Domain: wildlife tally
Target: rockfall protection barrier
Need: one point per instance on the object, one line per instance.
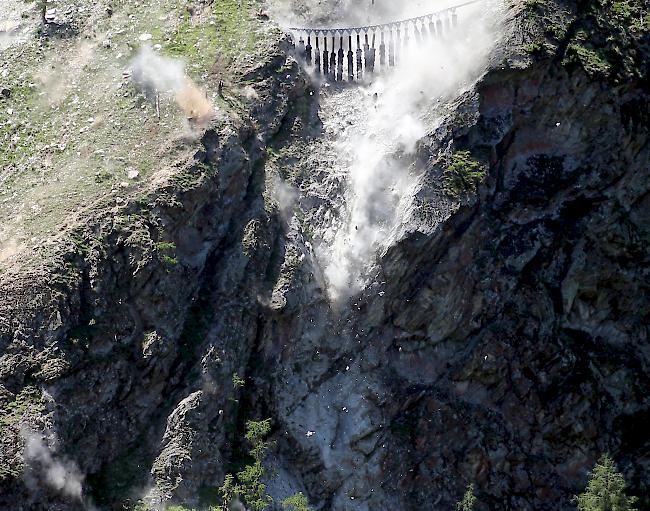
(357, 46)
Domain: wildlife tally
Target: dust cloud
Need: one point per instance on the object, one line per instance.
(380, 181)
(156, 74)
(284, 195)
(14, 27)
(61, 475)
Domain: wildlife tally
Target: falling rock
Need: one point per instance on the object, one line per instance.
(50, 15)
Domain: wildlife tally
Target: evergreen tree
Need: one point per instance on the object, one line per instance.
(469, 500)
(605, 490)
(297, 502)
(247, 485)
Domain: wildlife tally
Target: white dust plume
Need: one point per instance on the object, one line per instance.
(60, 474)
(157, 74)
(381, 181)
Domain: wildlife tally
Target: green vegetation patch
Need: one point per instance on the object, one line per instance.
(635, 13)
(248, 483)
(468, 501)
(237, 381)
(75, 134)
(195, 43)
(539, 49)
(227, 32)
(605, 490)
(297, 502)
(235, 31)
(606, 38)
(610, 38)
(18, 135)
(533, 7)
(167, 259)
(165, 245)
(463, 174)
(592, 60)
(28, 402)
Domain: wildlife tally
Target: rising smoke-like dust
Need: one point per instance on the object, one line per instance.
(157, 74)
(60, 474)
(380, 182)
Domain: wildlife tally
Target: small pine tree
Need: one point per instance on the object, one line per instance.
(256, 432)
(229, 491)
(297, 502)
(469, 500)
(605, 490)
(253, 490)
(248, 484)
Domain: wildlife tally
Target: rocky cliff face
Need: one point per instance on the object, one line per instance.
(506, 345)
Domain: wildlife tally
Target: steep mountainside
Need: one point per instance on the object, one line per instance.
(500, 336)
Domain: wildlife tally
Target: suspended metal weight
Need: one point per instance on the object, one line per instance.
(350, 59)
(333, 60)
(359, 58)
(317, 57)
(372, 55)
(398, 44)
(366, 52)
(341, 55)
(308, 51)
(301, 47)
(326, 56)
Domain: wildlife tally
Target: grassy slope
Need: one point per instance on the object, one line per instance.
(73, 127)
(58, 167)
